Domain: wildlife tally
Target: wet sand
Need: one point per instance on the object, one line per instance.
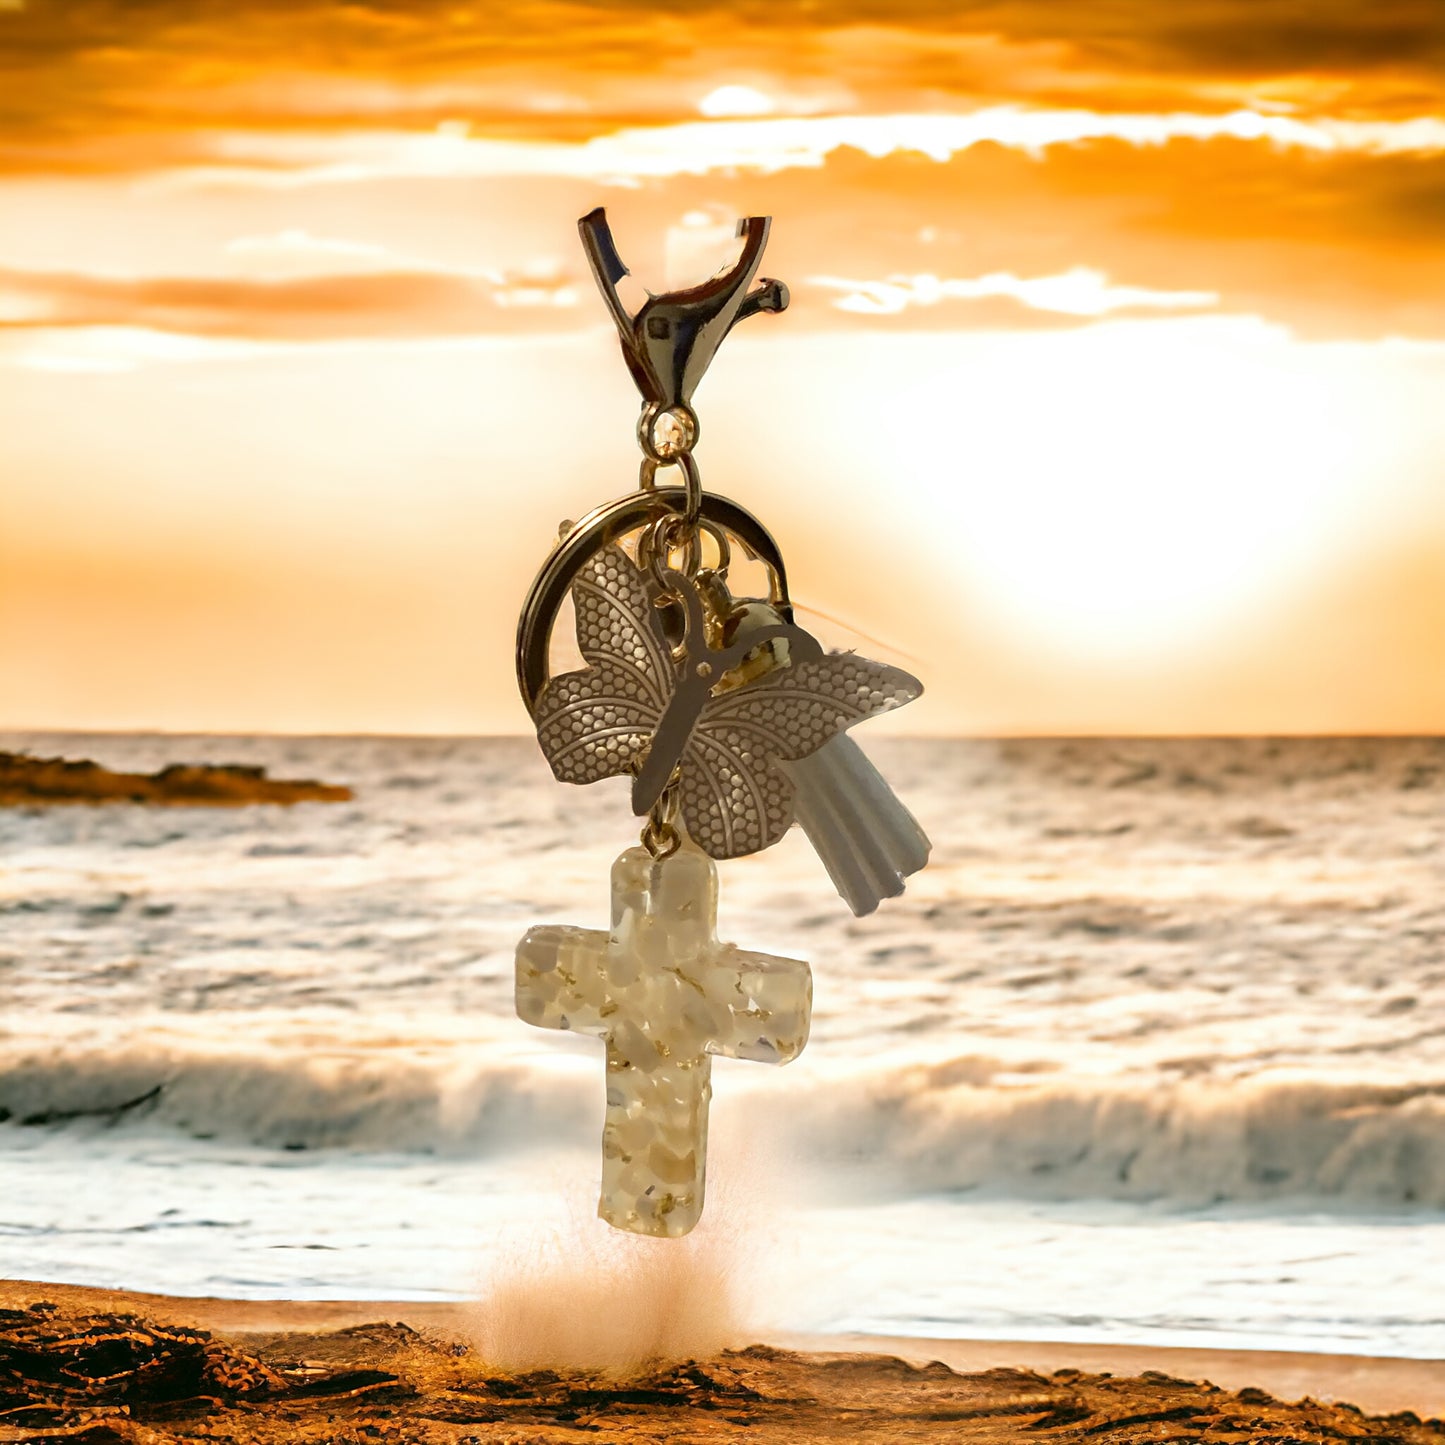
(369, 1370)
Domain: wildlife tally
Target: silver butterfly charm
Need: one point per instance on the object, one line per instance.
(644, 707)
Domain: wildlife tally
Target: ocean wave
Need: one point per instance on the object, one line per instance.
(965, 1124)
(1271, 1136)
(290, 1100)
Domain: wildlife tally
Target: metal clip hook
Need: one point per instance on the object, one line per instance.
(670, 341)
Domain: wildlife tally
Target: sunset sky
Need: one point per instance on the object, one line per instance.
(1111, 397)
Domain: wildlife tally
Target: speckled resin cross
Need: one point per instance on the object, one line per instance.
(665, 995)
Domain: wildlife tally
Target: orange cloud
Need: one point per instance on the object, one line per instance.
(381, 303)
(69, 72)
(1329, 245)
(1079, 293)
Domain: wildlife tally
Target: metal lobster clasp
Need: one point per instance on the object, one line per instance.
(670, 341)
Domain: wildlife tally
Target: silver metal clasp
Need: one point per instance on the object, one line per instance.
(669, 343)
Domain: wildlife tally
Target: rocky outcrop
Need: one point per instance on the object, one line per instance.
(27, 781)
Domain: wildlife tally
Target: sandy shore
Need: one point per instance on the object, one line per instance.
(367, 1370)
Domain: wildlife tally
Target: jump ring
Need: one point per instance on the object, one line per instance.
(663, 537)
(659, 834)
(662, 843)
(692, 481)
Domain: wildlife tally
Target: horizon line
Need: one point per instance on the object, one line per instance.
(1006, 736)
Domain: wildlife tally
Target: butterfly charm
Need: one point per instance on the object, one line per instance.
(662, 711)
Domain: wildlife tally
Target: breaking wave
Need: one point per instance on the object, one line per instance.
(953, 1126)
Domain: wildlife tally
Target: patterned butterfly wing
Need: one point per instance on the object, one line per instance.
(734, 801)
(597, 722)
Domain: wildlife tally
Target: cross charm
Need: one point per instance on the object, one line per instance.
(666, 996)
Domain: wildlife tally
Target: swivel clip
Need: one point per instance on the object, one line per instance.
(672, 338)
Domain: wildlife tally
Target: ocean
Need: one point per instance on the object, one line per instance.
(1154, 1050)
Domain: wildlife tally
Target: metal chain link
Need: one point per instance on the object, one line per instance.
(672, 532)
(660, 835)
(675, 531)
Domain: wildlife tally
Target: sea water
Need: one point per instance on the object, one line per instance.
(1153, 1051)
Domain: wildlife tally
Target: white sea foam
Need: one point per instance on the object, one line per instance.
(967, 1123)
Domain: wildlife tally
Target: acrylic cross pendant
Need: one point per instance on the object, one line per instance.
(665, 995)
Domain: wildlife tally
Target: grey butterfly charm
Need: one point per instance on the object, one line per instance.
(735, 795)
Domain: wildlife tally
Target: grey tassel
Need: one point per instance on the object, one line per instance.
(868, 841)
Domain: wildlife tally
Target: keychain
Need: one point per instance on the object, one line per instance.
(731, 721)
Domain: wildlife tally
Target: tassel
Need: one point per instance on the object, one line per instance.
(868, 841)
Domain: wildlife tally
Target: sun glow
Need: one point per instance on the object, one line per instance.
(1132, 490)
(732, 100)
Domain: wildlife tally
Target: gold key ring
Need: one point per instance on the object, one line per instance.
(610, 523)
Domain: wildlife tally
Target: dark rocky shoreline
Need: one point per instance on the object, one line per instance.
(27, 781)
